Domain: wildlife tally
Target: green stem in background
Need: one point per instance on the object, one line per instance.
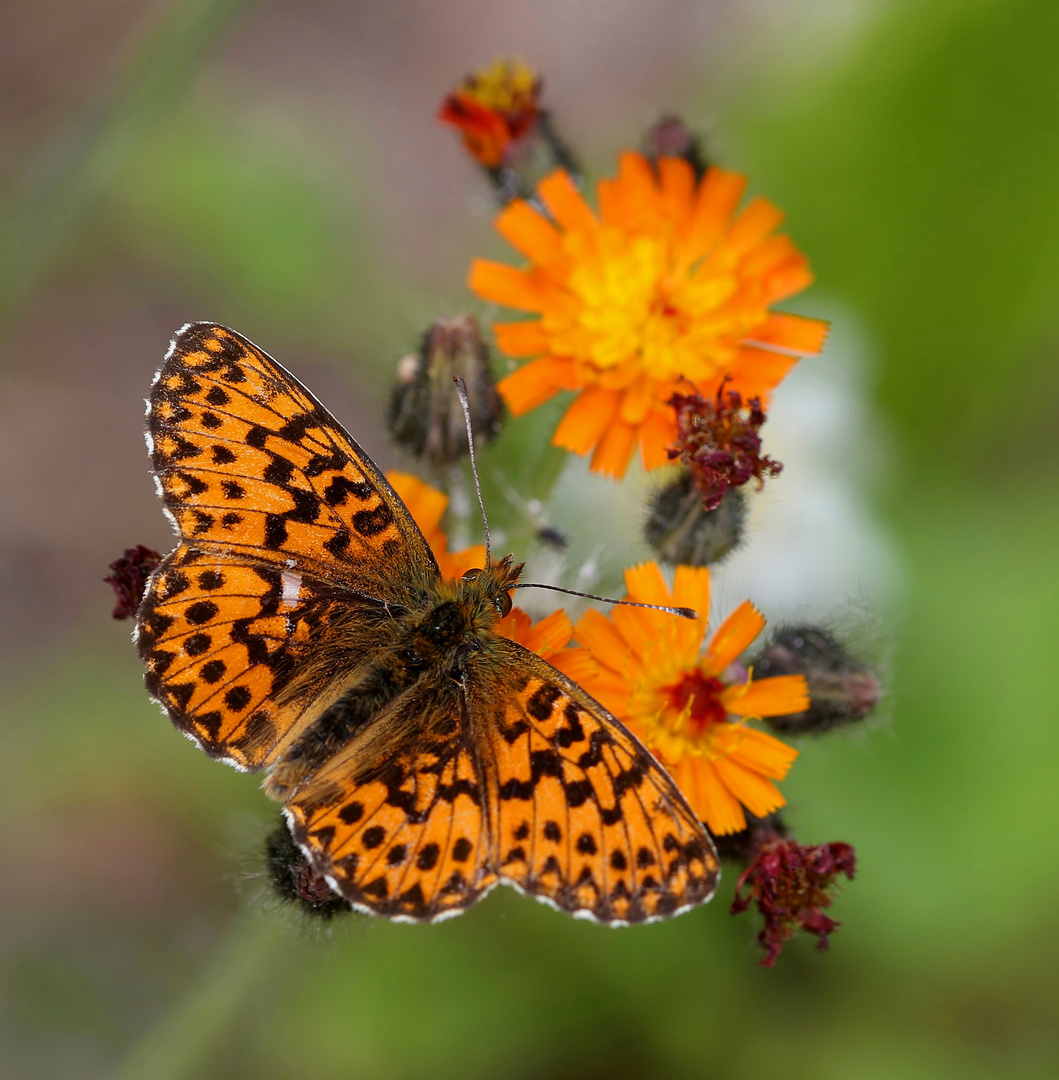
(72, 173)
(192, 1029)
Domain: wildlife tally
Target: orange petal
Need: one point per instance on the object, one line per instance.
(529, 231)
(646, 584)
(454, 564)
(506, 285)
(658, 433)
(709, 797)
(520, 339)
(535, 382)
(719, 195)
(758, 218)
(576, 664)
(677, 181)
(754, 750)
(787, 279)
(691, 588)
(737, 632)
(565, 203)
(425, 503)
(777, 695)
(757, 372)
(615, 449)
(602, 638)
(591, 414)
(638, 185)
(550, 634)
(757, 793)
(800, 335)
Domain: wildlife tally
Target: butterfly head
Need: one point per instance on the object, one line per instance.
(491, 586)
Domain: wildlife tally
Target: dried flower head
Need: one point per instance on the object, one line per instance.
(791, 884)
(128, 578)
(496, 110)
(425, 413)
(718, 440)
(682, 532)
(842, 690)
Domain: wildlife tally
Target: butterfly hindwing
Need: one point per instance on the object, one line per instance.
(222, 638)
(248, 460)
(585, 817)
(397, 821)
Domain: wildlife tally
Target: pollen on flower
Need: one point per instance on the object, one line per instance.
(718, 440)
(668, 282)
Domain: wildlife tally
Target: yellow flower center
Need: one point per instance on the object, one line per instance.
(634, 306)
(506, 86)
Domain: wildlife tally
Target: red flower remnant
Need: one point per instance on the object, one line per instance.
(495, 110)
(791, 884)
(719, 442)
(128, 578)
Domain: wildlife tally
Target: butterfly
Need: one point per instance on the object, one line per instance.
(301, 627)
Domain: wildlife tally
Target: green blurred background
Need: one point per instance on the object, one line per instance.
(276, 167)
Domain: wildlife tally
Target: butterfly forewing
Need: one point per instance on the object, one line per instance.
(585, 817)
(398, 825)
(248, 460)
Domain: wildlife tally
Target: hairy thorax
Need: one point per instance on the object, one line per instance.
(439, 640)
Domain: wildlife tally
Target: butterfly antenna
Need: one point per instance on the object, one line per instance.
(683, 612)
(461, 393)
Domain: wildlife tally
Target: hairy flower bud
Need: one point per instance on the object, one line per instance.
(425, 412)
(128, 578)
(294, 881)
(685, 534)
(669, 136)
(841, 689)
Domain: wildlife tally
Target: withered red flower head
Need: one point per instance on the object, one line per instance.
(128, 578)
(791, 884)
(719, 442)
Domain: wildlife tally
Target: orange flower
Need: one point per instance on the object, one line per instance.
(427, 505)
(668, 285)
(495, 109)
(548, 638)
(691, 706)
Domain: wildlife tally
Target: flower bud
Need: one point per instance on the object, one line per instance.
(294, 881)
(425, 412)
(841, 689)
(683, 533)
(128, 578)
(668, 136)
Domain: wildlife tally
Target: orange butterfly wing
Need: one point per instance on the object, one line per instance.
(284, 520)
(397, 820)
(585, 818)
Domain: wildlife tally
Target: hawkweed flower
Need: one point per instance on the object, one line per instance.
(842, 690)
(425, 414)
(790, 884)
(128, 578)
(666, 286)
(717, 439)
(692, 706)
(496, 111)
(682, 532)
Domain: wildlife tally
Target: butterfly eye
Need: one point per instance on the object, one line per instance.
(472, 574)
(503, 603)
